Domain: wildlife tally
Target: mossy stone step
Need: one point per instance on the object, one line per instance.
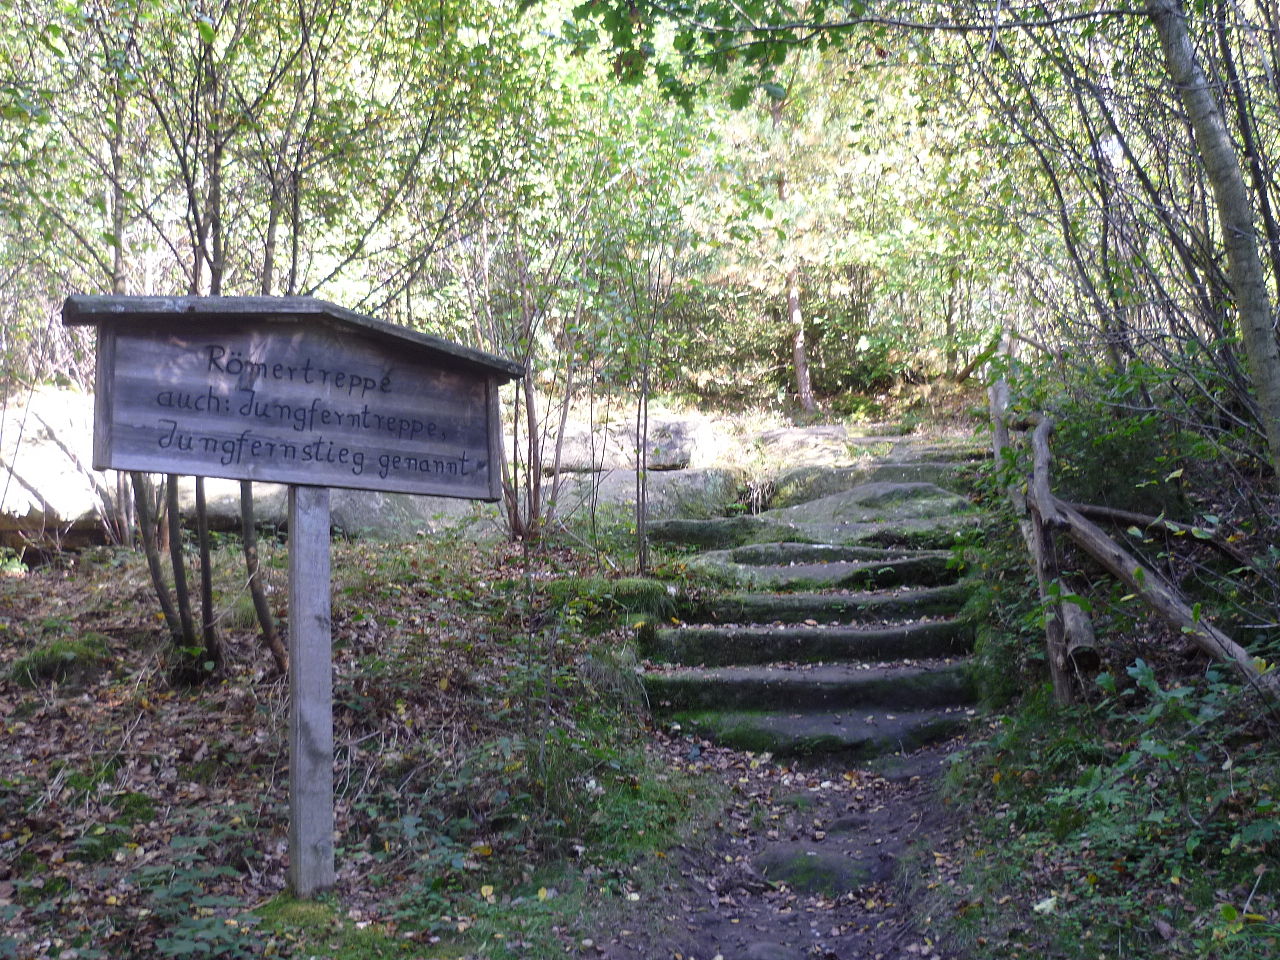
(767, 554)
(803, 689)
(728, 645)
(724, 532)
(849, 736)
(814, 482)
(919, 569)
(847, 607)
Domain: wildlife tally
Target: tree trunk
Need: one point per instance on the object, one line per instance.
(1235, 213)
(144, 501)
(208, 622)
(180, 590)
(249, 537)
(248, 523)
(799, 352)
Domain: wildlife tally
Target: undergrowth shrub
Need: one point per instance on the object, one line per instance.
(1147, 823)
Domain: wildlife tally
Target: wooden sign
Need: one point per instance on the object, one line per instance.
(290, 391)
(297, 391)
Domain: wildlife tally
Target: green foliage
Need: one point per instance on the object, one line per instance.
(584, 600)
(62, 660)
(11, 562)
(194, 921)
(1148, 819)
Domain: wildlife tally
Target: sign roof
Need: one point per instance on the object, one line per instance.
(119, 310)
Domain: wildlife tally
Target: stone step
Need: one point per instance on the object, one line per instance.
(845, 606)
(918, 569)
(724, 532)
(729, 645)
(773, 554)
(847, 736)
(809, 688)
(814, 482)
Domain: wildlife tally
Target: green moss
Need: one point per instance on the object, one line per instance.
(595, 597)
(134, 807)
(73, 661)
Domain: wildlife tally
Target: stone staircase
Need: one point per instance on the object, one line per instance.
(831, 628)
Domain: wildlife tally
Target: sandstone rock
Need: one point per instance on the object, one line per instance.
(829, 874)
(813, 482)
(676, 493)
(675, 442)
(49, 491)
(356, 513)
(875, 501)
(806, 446)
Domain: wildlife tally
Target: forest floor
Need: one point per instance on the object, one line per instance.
(139, 815)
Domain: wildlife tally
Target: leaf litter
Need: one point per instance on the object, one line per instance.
(134, 813)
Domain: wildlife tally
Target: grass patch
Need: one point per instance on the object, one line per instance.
(63, 661)
(322, 927)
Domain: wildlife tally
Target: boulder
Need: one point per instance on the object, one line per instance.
(671, 444)
(807, 446)
(821, 445)
(702, 493)
(49, 491)
(356, 513)
(588, 449)
(675, 442)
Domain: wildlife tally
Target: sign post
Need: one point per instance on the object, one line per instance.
(310, 694)
(298, 391)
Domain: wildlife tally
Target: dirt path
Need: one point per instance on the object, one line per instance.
(805, 864)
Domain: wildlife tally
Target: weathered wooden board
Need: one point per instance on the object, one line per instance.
(292, 403)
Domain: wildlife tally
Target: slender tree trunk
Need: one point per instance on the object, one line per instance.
(799, 352)
(144, 501)
(949, 317)
(119, 286)
(1235, 213)
(248, 523)
(208, 623)
(249, 537)
(180, 589)
(642, 473)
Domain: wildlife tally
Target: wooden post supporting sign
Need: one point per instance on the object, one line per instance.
(311, 866)
(298, 391)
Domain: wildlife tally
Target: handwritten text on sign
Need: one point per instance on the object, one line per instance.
(297, 404)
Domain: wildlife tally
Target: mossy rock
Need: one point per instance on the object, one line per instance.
(629, 596)
(63, 661)
(718, 533)
(819, 872)
(875, 501)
